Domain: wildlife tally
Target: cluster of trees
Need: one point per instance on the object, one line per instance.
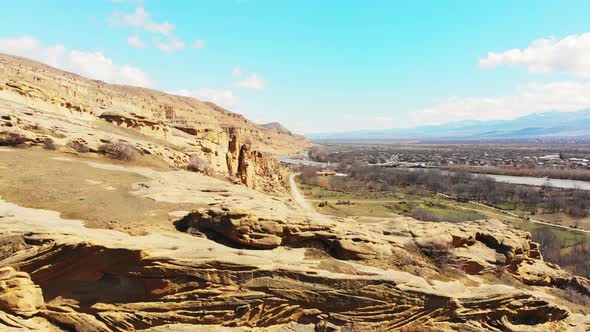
(575, 259)
(318, 154)
(554, 173)
(462, 186)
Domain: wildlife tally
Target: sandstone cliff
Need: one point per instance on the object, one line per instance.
(39, 101)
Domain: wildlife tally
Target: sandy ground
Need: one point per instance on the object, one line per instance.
(101, 194)
(122, 196)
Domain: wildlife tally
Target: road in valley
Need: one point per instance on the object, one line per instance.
(521, 218)
(533, 220)
(296, 194)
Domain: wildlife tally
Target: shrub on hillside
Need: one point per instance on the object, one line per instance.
(318, 154)
(119, 151)
(578, 212)
(439, 252)
(197, 164)
(575, 296)
(12, 139)
(48, 144)
(78, 146)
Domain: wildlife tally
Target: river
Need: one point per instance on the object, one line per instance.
(303, 159)
(524, 180)
(533, 181)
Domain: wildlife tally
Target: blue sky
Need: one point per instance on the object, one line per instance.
(321, 66)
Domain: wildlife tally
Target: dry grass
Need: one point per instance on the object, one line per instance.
(449, 216)
(102, 198)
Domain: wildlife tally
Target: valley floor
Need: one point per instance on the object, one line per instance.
(98, 245)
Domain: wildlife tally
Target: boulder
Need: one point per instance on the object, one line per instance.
(18, 294)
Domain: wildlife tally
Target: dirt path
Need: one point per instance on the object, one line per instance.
(296, 194)
(368, 200)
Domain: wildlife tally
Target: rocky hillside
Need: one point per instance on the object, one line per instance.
(40, 102)
(278, 127)
(245, 261)
(92, 240)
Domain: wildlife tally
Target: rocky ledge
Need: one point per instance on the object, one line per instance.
(242, 270)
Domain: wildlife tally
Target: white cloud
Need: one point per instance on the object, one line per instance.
(135, 42)
(568, 55)
(94, 65)
(138, 18)
(225, 98)
(169, 45)
(199, 43)
(237, 72)
(142, 18)
(164, 28)
(531, 98)
(252, 82)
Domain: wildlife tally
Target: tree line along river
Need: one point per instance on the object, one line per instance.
(524, 180)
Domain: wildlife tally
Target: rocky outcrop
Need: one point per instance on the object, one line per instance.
(233, 156)
(476, 248)
(251, 167)
(40, 102)
(18, 294)
(254, 231)
(153, 128)
(127, 289)
(246, 169)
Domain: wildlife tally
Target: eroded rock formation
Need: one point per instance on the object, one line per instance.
(113, 289)
(18, 294)
(41, 102)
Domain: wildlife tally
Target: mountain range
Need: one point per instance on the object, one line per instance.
(547, 124)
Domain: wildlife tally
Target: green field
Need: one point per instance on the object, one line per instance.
(567, 238)
(379, 204)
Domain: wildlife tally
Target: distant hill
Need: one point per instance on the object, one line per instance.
(549, 124)
(278, 127)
